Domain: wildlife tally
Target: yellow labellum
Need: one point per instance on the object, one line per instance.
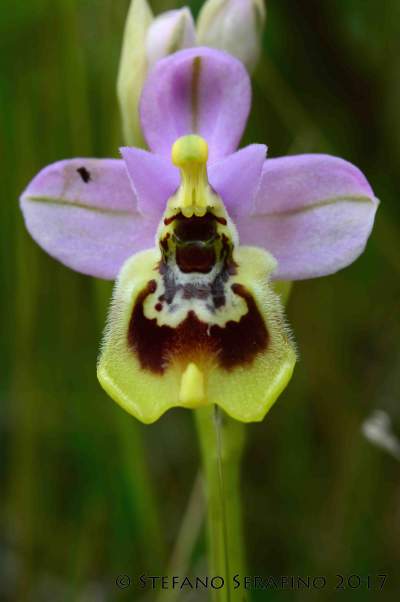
(245, 393)
(196, 321)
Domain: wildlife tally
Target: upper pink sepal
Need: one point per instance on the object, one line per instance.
(201, 91)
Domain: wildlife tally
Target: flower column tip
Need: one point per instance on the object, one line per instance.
(194, 196)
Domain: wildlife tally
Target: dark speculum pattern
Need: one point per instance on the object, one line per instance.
(195, 257)
(194, 238)
(235, 344)
(197, 246)
(195, 229)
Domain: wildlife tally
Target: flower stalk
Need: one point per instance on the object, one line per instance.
(222, 442)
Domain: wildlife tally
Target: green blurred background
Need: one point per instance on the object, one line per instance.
(76, 508)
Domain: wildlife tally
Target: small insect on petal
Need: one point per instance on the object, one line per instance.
(85, 174)
(195, 321)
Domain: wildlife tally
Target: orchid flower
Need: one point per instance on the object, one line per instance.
(194, 318)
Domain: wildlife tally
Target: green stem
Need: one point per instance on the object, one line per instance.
(222, 442)
(191, 525)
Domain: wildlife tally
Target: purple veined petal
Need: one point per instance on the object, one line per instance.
(314, 213)
(154, 179)
(236, 178)
(83, 213)
(198, 90)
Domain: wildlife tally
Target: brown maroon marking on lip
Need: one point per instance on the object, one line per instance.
(158, 306)
(235, 344)
(145, 336)
(195, 228)
(164, 242)
(179, 216)
(169, 220)
(216, 288)
(195, 257)
(241, 341)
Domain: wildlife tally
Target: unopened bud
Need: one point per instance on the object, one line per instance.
(133, 69)
(234, 26)
(172, 31)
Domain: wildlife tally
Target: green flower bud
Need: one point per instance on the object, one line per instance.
(133, 69)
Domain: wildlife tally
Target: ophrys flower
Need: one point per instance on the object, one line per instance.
(194, 319)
